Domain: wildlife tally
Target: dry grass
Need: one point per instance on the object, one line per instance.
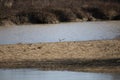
(66, 50)
(65, 55)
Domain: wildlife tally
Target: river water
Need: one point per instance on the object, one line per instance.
(78, 31)
(32, 74)
(58, 33)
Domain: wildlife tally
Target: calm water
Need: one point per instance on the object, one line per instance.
(56, 33)
(60, 32)
(30, 74)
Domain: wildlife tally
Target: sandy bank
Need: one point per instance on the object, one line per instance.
(79, 56)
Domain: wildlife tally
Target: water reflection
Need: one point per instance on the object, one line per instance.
(60, 32)
(27, 74)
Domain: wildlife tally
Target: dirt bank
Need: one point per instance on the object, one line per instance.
(78, 56)
(55, 11)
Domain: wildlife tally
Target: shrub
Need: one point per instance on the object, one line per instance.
(117, 17)
(42, 17)
(63, 15)
(96, 12)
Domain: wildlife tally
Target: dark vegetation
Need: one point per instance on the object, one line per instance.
(54, 11)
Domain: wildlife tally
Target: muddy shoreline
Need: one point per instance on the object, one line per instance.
(104, 66)
(95, 56)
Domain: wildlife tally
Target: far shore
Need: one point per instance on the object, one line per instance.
(17, 12)
(94, 56)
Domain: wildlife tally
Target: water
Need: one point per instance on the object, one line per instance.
(56, 33)
(60, 32)
(31, 74)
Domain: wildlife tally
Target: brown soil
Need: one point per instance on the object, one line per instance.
(98, 56)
